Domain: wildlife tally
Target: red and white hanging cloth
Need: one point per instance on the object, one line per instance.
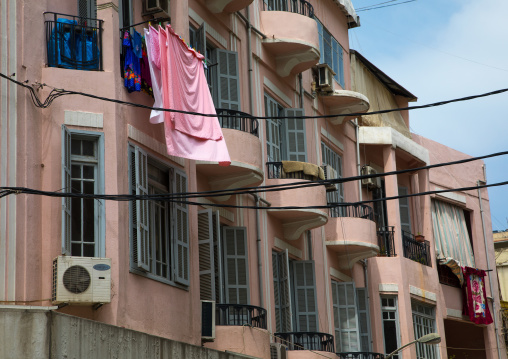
(181, 85)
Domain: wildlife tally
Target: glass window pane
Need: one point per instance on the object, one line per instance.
(88, 148)
(75, 147)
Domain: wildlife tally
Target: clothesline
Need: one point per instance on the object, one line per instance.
(157, 19)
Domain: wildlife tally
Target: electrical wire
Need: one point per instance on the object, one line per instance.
(379, 7)
(55, 93)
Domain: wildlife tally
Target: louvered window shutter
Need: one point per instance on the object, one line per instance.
(305, 296)
(229, 81)
(66, 185)
(405, 216)
(362, 301)
(347, 337)
(206, 255)
(180, 230)
(219, 285)
(273, 127)
(342, 80)
(140, 231)
(296, 147)
(276, 290)
(286, 312)
(236, 265)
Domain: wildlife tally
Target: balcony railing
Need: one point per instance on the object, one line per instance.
(275, 171)
(73, 42)
(240, 314)
(351, 210)
(306, 341)
(301, 7)
(385, 241)
(360, 355)
(416, 251)
(241, 121)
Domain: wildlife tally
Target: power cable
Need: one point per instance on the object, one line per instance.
(379, 7)
(55, 93)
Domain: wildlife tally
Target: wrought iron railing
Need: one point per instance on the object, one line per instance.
(73, 42)
(414, 250)
(274, 171)
(301, 7)
(447, 277)
(360, 355)
(306, 341)
(240, 314)
(351, 210)
(385, 240)
(237, 120)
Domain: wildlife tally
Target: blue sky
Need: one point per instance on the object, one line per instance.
(445, 49)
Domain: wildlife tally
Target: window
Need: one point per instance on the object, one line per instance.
(295, 294)
(351, 317)
(424, 322)
(223, 261)
(390, 316)
(159, 229)
(405, 212)
(221, 70)
(331, 158)
(285, 138)
(331, 53)
(125, 13)
(87, 9)
(83, 219)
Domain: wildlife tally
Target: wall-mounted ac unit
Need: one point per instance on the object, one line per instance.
(374, 182)
(278, 351)
(151, 7)
(330, 173)
(81, 280)
(325, 78)
(207, 320)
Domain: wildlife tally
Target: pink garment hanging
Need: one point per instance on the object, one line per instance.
(179, 143)
(187, 90)
(154, 62)
(475, 297)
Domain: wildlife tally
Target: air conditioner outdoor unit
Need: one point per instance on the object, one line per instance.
(151, 7)
(207, 320)
(81, 280)
(278, 351)
(374, 182)
(330, 173)
(325, 77)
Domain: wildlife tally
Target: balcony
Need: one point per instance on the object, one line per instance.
(342, 102)
(386, 243)
(360, 355)
(306, 341)
(414, 250)
(73, 42)
(240, 314)
(240, 131)
(351, 233)
(296, 221)
(291, 35)
(228, 6)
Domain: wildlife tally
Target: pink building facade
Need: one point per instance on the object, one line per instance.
(322, 279)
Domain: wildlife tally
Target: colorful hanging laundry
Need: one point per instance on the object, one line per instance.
(474, 296)
(132, 71)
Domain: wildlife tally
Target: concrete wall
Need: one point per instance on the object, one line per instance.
(41, 333)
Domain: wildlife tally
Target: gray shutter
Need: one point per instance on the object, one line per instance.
(273, 127)
(236, 265)
(305, 296)
(286, 312)
(66, 187)
(206, 255)
(294, 135)
(219, 285)
(141, 235)
(342, 79)
(201, 39)
(362, 301)
(347, 337)
(276, 290)
(405, 216)
(228, 80)
(180, 230)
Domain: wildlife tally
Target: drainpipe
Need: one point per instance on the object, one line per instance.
(358, 164)
(301, 89)
(488, 269)
(249, 58)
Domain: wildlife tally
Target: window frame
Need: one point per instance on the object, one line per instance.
(172, 245)
(100, 213)
(327, 152)
(390, 309)
(429, 351)
(336, 53)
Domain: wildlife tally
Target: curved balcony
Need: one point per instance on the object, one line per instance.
(229, 6)
(306, 341)
(240, 314)
(240, 131)
(342, 102)
(351, 233)
(360, 355)
(291, 35)
(296, 221)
